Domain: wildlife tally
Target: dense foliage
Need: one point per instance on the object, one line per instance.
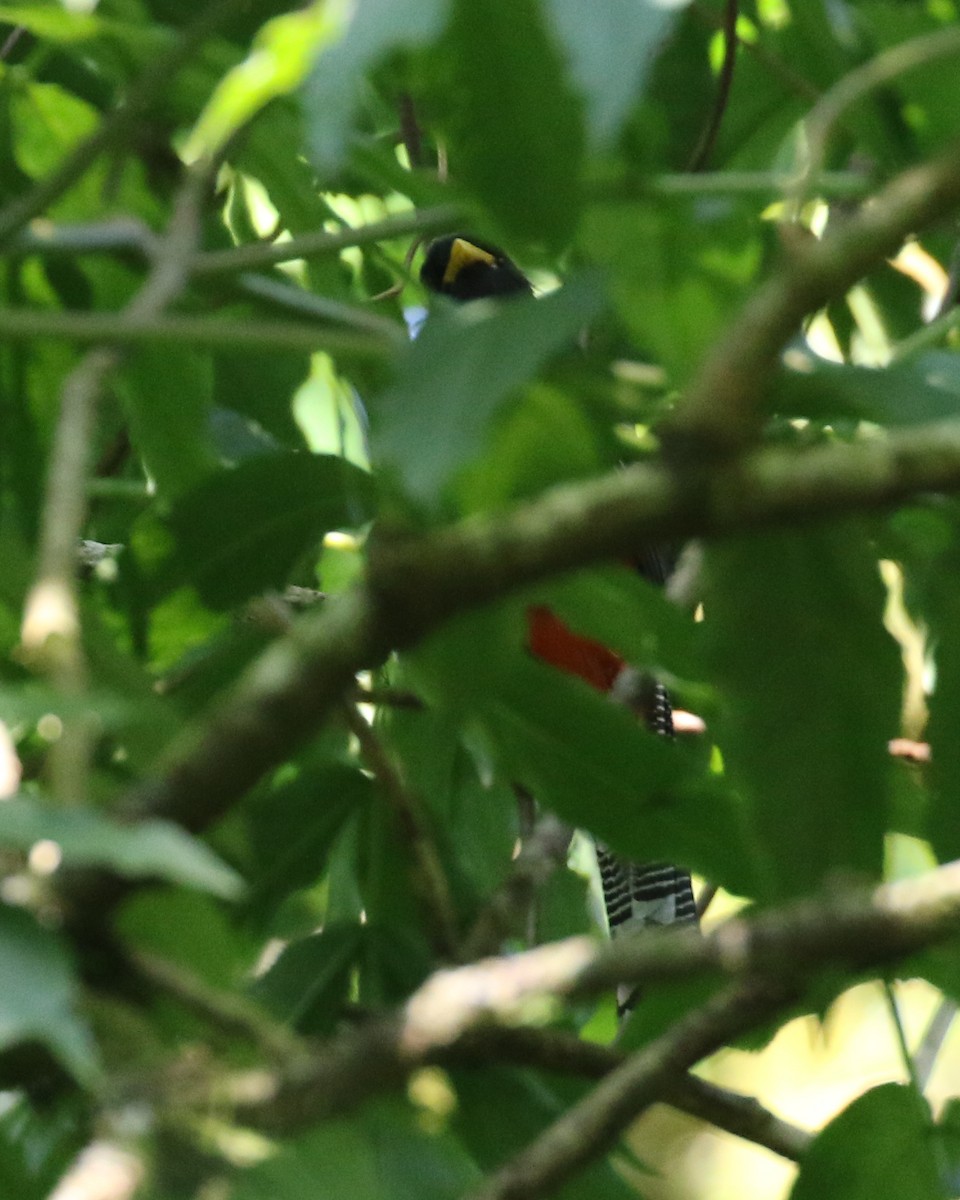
(227, 866)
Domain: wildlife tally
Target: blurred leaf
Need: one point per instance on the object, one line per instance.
(610, 54)
(883, 1144)
(395, 960)
(436, 416)
(191, 930)
(376, 28)
(51, 22)
(283, 52)
(309, 983)
(241, 531)
(810, 683)
(37, 1145)
(38, 992)
(541, 439)
(261, 387)
(148, 849)
(516, 134)
(383, 1154)
(475, 821)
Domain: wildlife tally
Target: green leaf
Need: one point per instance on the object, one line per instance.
(262, 386)
(610, 54)
(317, 804)
(475, 820)
(436, 416)
(810, 689)
(516, 134)
(241, 531)
(38, 992)
(883, 1144)
(167, 398)
(192, 930)
(678, 271)
(542, 438)
(927, 388)
(149, 849)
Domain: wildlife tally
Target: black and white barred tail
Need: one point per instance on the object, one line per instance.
(639, 895)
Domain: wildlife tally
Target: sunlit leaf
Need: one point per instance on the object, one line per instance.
(283, 53)
(884, 1143)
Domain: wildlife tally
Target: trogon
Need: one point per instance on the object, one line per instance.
(635, 895)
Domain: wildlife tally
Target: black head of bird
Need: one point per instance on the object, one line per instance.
(466, 269)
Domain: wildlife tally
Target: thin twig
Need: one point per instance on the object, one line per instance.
(385, 697)
(772, 62)
(708, 139)
(905, 1056)
(209, 332)
(316, 245)
(14, 36)
(429, 877)
(410, 132)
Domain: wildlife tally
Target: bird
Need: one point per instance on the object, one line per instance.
(465, 268)
(636, 895)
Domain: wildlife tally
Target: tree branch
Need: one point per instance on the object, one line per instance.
(563, 1053)
(416, 585)
(593, 1125)
(722, 409)
(452, 1012)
